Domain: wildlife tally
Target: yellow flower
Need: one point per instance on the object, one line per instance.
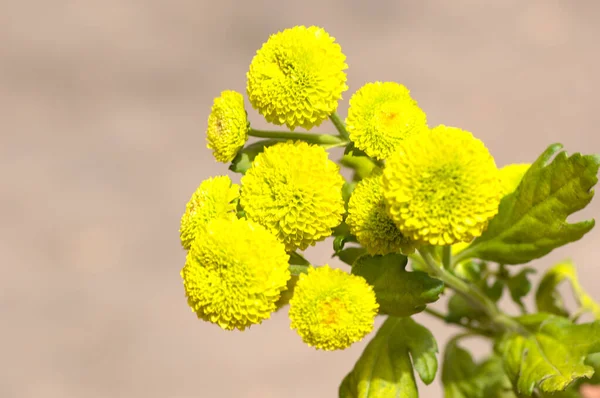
(215, 198)
(369, 222)
(227, 126)
(297, 77)
(511, 176)
(381, 116)
(235, 273)
(295, 191)
(442, 187)
(331, 309)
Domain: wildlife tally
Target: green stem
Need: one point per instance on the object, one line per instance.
(462, 256)
(436, 314)
(339, 125)
(321, 139)
(469, 292)
(447, 256)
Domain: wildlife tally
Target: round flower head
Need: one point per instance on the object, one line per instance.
(295, 191)
(227, 126)
(215, 198)
(297, 77)
(235, 273)
(369, 222)
(442, 187)
(511, 176)
(331, 309)
(381, 116)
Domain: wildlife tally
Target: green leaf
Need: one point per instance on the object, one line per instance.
(593, 360)
(385, 370)
(399, 292)
(463, 378)
(531, 221)
(460, 308)
(243, 160)
(519, 286)
(548, 299)
(469, 270)
(549, 354)
(350, 254)
(363, 166)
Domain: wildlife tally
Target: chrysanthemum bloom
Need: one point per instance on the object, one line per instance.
(442, 187)
(297, 77)
(295, 191)
(511, 176)
(331, 309)
(369, 222)
(235, 273)
(227, 126)
(215, 198)
(381, 116)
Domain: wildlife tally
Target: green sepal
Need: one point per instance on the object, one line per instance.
(548, 298)
(549, 352)
(531, 221)
(385, 369)
(399, 292)
(463, 378)
(243, 160)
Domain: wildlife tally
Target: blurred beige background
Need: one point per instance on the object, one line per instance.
(103, 106)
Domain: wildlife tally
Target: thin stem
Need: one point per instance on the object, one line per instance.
(447, 256)
(469, 292)
(461, 256)
(321, 139)
(437, 314)
(339, 125)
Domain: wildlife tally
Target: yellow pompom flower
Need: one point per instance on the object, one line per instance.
(215, 198)
(442, 187)
(511, 176)
(381, 116)
(331, 309)
(227, 126)
(295, 191)
(369, 222)
(235, 273)
(297, 77)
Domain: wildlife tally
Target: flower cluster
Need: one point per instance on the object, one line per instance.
(423, 186)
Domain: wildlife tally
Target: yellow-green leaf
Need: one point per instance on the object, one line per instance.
(550, 354)
(398, 292)
(531, 221)
(548, 298)
(385, 368)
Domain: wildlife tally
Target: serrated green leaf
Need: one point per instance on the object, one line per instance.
(548, 298)
(463, 378)
(551, 356)
(398, 292)
(385, 370)
(243, 160)
(531, 221)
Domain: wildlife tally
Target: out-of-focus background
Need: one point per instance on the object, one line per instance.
(103, 108)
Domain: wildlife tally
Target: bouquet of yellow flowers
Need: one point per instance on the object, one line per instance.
(429, 196)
